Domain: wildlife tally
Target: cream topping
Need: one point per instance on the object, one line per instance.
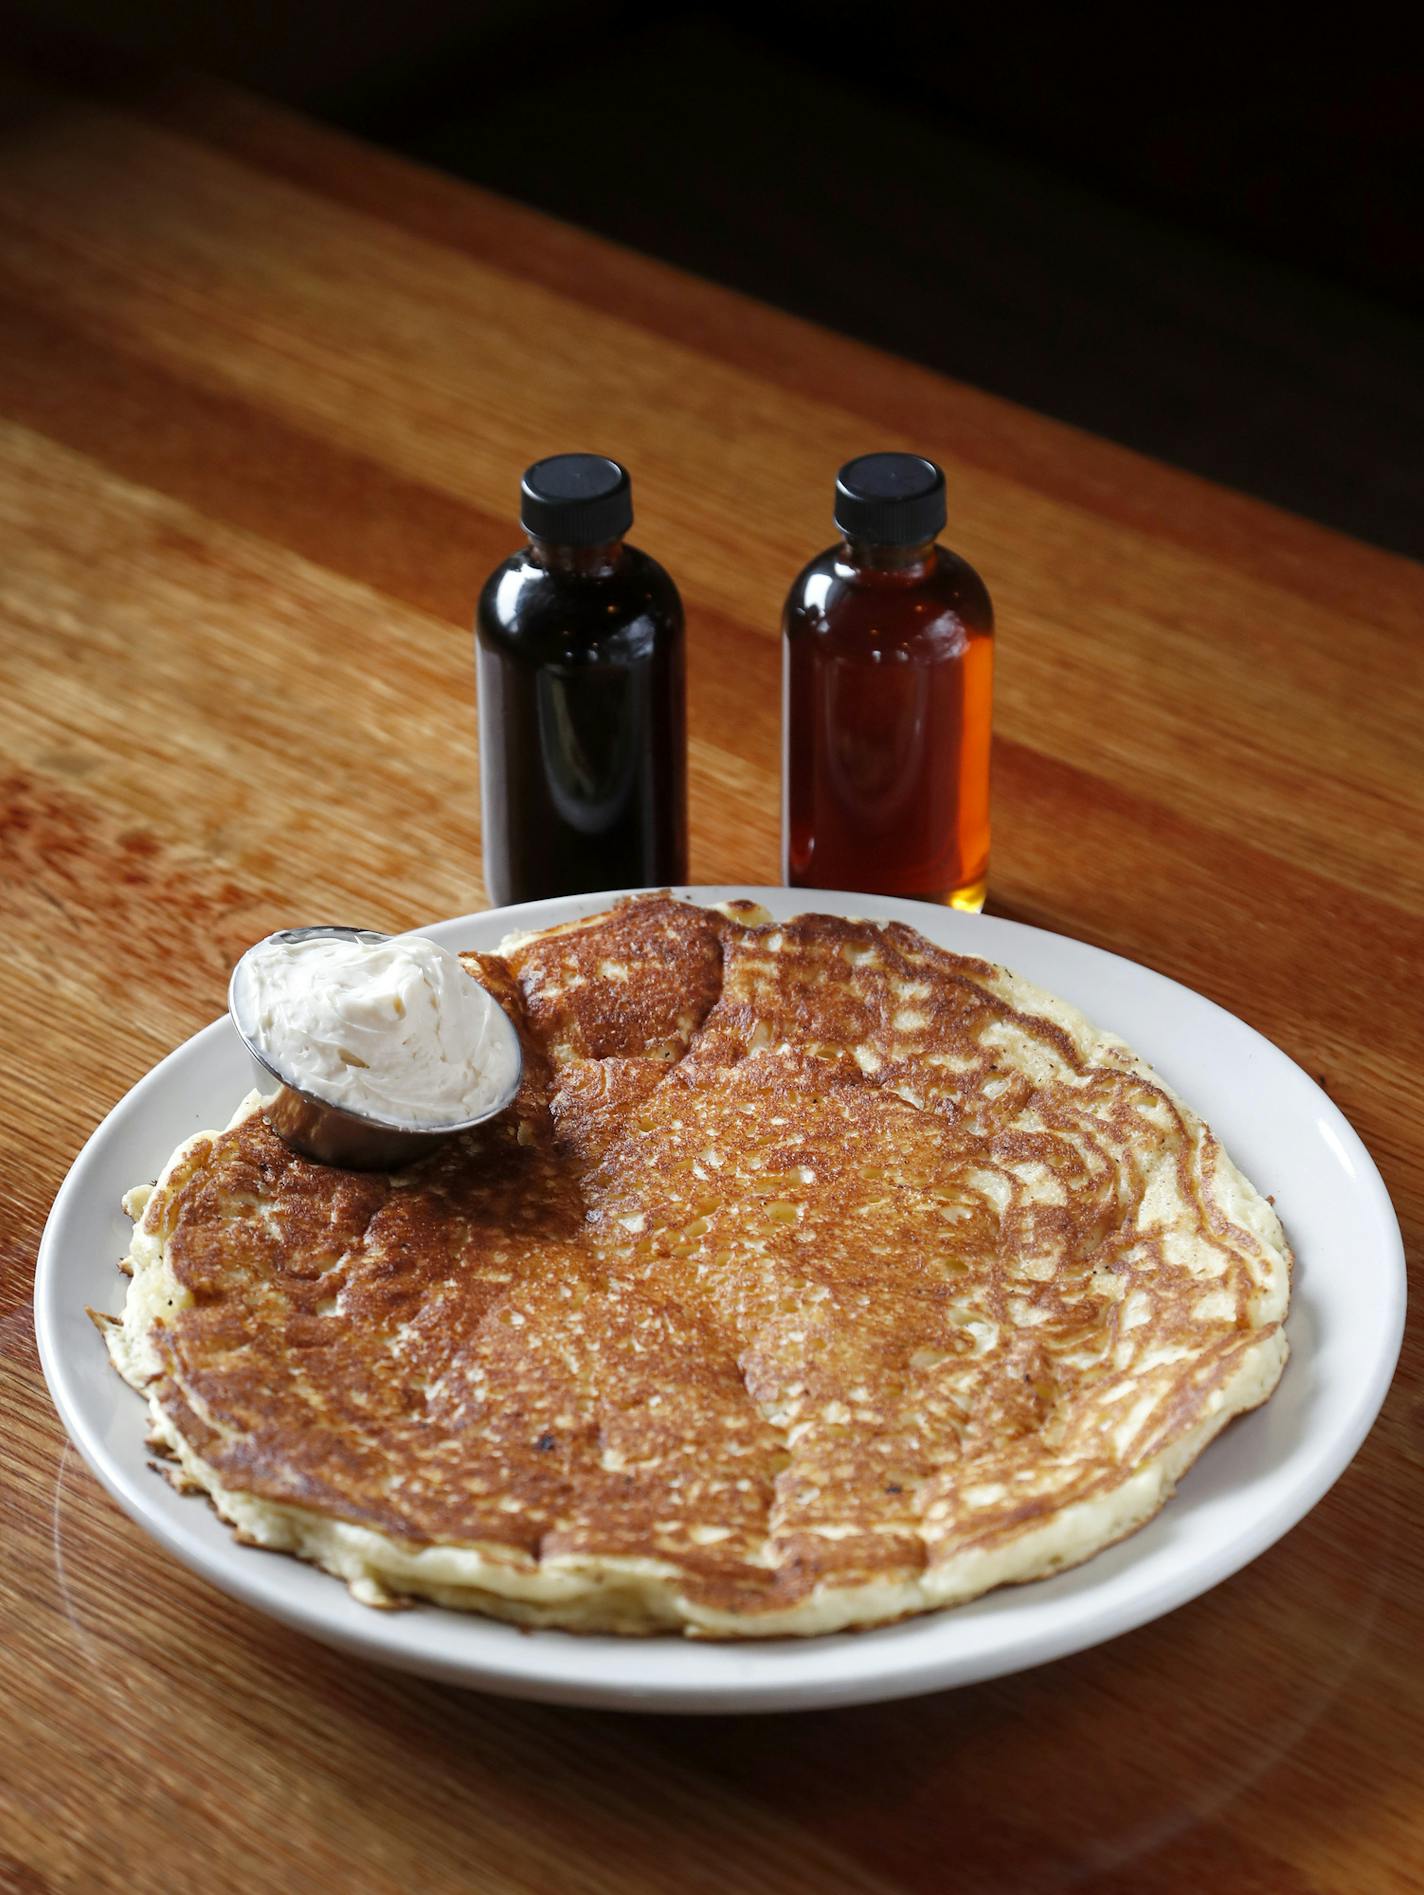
(393, 1028)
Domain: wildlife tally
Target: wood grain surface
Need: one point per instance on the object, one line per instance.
(264, 400)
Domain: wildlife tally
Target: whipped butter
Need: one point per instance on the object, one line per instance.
(392, 1028)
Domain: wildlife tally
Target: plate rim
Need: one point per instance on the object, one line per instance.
(377, 1636)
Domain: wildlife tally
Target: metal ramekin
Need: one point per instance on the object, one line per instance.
(331, 1134)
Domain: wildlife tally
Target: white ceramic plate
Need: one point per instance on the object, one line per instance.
(1248, 1489)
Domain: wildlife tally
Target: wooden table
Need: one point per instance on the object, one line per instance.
(266, 397)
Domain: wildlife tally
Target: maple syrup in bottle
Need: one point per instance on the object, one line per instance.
(887, 671)
(579, 662)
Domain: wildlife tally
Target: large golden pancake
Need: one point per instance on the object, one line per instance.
(817, 1276)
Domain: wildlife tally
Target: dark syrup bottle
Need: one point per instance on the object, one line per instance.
(583, 728)
(888, 666)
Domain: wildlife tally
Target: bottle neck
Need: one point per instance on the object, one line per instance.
(898, 565)
(576, 562)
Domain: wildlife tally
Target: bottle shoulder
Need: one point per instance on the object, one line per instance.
(931, 613)
(544, 615)
(959, 581)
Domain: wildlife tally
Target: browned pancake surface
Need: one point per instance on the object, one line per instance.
(803, 1256)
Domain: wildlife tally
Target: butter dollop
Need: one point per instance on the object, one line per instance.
(391, 1027)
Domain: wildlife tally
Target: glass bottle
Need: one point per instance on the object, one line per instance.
(887, 674)
(583, 733)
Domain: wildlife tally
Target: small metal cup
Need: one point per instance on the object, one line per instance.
(332, 1135)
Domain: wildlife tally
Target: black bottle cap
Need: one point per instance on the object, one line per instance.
(576, 500)
(890, 499)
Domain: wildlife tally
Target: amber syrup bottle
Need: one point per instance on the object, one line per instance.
(887, 668)
(583, 730)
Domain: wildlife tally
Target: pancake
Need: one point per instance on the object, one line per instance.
(817, 1276)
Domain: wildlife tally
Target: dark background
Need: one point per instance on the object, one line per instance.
(1196, 235)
